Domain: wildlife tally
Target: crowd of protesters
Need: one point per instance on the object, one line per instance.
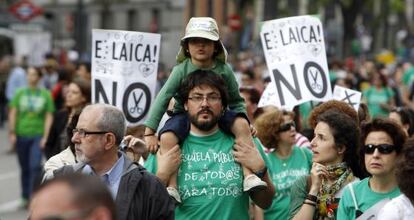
(318, 161)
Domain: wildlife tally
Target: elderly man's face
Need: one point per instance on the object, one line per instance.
(91, 146)
(204, 107)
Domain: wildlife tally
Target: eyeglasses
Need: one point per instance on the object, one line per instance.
(287, 126)
(82, 132)
(382, 148)
(214, 99)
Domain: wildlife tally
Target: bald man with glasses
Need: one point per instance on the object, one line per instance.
(137, 193)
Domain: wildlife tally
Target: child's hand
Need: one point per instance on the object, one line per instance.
(152, 143)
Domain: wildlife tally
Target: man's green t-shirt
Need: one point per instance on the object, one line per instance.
(31, 108)
(284, 172)
(209, 181)
(365, 198)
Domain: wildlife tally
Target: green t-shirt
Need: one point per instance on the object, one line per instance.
(408, 76)
(364, 196)
(209, 181)
(171, 87)
(284, 172)
(31, 108)
(298, 192)
(375, 97)
(305, 110)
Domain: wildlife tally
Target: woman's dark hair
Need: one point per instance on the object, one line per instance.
(382, 78)
(405, 171)
(363, 113)
(346, 133)
(407, 117)
(87, 65)
(72, 125)
(206, 78)
(84, 86)
(38, 70)
(386, 125)
(217, 48)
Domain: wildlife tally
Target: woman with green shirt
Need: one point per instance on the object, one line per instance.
(335, 165)
(383, 140)
(30, 118)
(286, 162)
(379, 96)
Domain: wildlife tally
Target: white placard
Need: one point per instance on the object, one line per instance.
(269, 98)
(124, 70)
(352, 97)
(294, 49)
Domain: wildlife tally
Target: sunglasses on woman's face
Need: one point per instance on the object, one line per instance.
(382, 148)
(287, 126)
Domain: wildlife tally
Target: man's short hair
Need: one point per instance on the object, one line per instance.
(206, 78)
(111, 120)
(88, 192)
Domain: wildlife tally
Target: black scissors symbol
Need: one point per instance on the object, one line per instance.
(136, 108)
(315, 85)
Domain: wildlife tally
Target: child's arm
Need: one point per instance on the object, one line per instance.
(236, 102)
(160, 104)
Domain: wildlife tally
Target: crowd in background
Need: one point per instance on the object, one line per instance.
(386, 82)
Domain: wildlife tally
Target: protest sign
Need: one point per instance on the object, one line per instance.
(268, 98)
(124, 70)
(294, 49)
(349, 96)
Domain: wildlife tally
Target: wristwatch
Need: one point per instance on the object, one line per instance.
(261, 173)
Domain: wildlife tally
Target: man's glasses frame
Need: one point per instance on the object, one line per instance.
(83, 133)
(212, 99)
(382, 148)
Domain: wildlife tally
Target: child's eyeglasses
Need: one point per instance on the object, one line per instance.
(382, 148)
(287, 126)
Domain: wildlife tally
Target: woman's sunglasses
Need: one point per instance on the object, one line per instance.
(287, 126)
(382, 148)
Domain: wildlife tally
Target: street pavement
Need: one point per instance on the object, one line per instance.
(9, 182)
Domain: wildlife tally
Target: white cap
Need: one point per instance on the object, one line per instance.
(203, 27)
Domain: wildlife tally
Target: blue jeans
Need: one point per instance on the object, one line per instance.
(29, 155)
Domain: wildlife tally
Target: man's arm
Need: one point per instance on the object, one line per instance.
(251, 158)
(168, 163)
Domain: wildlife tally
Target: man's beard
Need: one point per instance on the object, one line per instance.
(204, 125)
(81, 158)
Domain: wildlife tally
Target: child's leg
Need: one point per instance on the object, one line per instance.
(241, 130)
(174, 131)
(167, 141)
